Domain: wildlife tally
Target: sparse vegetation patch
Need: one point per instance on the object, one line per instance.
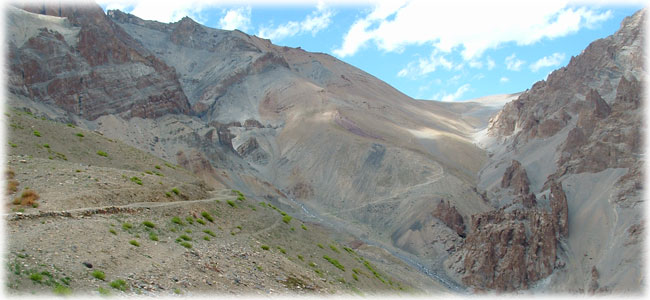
(98, 274)
(334, 262)
(207, 216)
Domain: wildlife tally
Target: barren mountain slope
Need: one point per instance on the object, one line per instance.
(326, 134)
(303, 130)
(90, 211)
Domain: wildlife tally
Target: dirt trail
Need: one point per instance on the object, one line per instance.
(113, 209)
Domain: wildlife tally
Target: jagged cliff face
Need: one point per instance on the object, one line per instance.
(565, 173)
(87, 65)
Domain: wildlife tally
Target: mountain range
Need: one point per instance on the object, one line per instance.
(542, 194)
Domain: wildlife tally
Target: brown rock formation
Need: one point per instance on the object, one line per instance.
(448, 214)
(251, 123)
(507, 251)
(560, 209)
(106, 72)
(515, 176)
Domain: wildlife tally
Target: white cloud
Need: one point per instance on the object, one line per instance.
(504, 79)
(425, 66)
(475, 64)
(490, 63)
(318, 20)
(237, 18)
(548, 61)
(450, 26)
(513, 63)
(454, 96)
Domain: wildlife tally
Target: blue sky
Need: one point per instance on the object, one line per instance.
(439, 50)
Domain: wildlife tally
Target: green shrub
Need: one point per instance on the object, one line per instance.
(71, 125)
(102, 153)
(38, 277)
(312, 264)
(334, 248)
(134, 243)
(207, 231)
(265, 247)
(301, 258)
(98, 274)
(62, 290)
(355, 277)
(126, 226)
(102, 291)
(207, 216)
(205, 237)
(46, 146)
(231, 203)
(200, 221)
(136, 180)
(118, 284)
(149, 224)
(36, 133)
(286, 219)
(80, 134)
(282, 250)
(168, 194)
(303, 227)
(320, 246)
(153, 236)
(176, 191)
(13, 145)
(188, 230)
(178, 221)
(185, 237)
(374, 272)
(149, 172)
(186, 245)
(189, 219)
(112, 231)
(334, 262)
(157, 167)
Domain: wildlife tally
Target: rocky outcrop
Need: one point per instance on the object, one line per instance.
(252, 123)
(448, 214)
(590, 109)
(515, 177)
(508, 250)
(248, 147)
(560, 209)
(105, 72)
(224, 135)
